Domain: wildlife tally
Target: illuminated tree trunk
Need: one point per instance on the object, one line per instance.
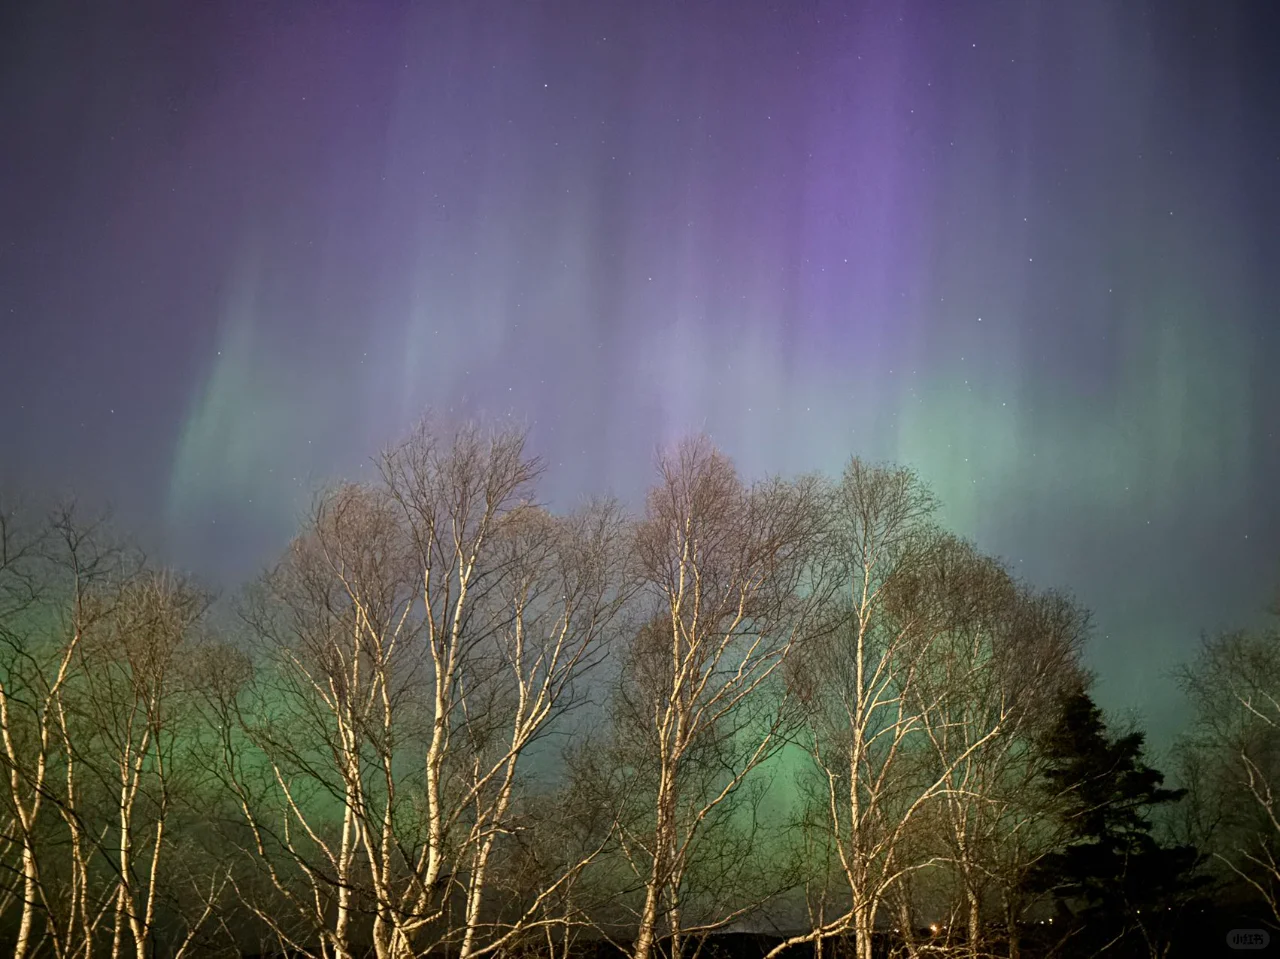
(29, 892)
(655, 888)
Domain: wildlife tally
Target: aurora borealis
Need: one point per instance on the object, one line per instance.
(1028, 248)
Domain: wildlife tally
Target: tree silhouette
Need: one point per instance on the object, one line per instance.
(1110, 870)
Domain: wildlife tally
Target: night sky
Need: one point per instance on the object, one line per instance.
(1029, 249)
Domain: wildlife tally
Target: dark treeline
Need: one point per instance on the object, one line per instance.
(794, 715)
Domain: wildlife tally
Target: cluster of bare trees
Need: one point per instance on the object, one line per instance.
(96, 699)
(922, 699)
(1230, 760)
(450, 718)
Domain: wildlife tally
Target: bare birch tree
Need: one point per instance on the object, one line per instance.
(90, 720)
(27, 728)
(993, 678)
(429, 629)
(52, 578)
(871, 686)
(567, 582)
(20, 593)
(125, 724)
(725, 569)
(320, 786)
(863, 718)
(915, 701)
(1234, 747)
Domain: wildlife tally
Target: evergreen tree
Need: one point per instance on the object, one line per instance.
(1115, 884)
